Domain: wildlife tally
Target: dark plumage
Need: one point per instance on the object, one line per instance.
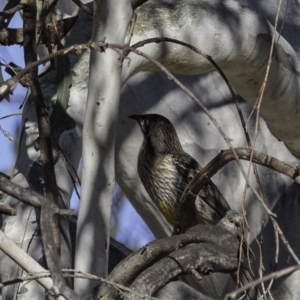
(165, 170)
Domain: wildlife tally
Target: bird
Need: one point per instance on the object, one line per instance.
(165, 170)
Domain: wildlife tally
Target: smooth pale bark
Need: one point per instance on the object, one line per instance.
(154, 93)
(111, 20)
(25, 261)
(22, 229)
(146, 93)
(239, 41)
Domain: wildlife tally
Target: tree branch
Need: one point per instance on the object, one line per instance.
(48, 221)
(187, 215)
(83, 7)
(203, 259)
(13, 10)
(186, 220)
(7, 86)
(29, 197)
(98, 140)
(221, 235)
(7, 209)
(24, 260)
(55, 31)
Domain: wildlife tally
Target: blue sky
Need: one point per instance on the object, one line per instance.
(127, 232)
(8, 54)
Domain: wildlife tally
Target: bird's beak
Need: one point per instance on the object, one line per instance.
(142, 122)
(134, 117)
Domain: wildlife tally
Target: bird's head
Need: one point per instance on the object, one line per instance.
(159, 132)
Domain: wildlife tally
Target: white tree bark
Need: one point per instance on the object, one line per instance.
(23, 229)
(111, 20)
(240, 42)
(238, 39)
(24, 260)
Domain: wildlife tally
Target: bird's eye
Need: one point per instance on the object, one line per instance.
(145, 127)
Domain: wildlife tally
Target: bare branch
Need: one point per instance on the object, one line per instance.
(52, 32)
(13, 10)
(83, 7)
(205, 258)
(24, 260)
(28, 197)
(48, 9)
(7, 86)
(7, 209)
(273, 275)
(193, 97)
(11, 36)
(216, 164)
(48, 220)
(136, 263)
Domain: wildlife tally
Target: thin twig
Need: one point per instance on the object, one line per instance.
(75, 274)
(285, 241)
(258, 105)
(83, 7)
(262, 90)
(13, 10)
(7, 209)
(11, 115)
(195, 49)
(273, 275)
(284, 18)
(7, 86)
(47, 10)
(28, 197)
(193, 97)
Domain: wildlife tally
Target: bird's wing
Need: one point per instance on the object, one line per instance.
(187, 167)
(210, 204)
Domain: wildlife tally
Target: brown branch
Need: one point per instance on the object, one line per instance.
(194, 98)
(190, 198)
(11, 36)
(270, 276)
(48, 220)
(28, 197)
(187, 201)
(136, 263)
(189, 205)
(7, 86)
(12, 69)
(7, 209)
(244, 153)
(187, 216)
(46, 156)
(203, 259)
(51, 33)
(13, 10)
(84, 7)
(48, 9)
